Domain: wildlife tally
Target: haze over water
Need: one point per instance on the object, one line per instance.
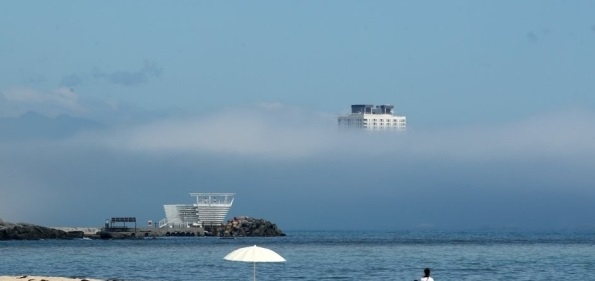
(115, 109)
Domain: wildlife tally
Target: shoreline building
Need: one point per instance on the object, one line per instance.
(210, 209)
(371, 117)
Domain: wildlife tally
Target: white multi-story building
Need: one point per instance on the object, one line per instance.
(366, 116)
(210, 209)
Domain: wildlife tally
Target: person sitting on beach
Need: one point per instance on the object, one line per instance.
(426, 276)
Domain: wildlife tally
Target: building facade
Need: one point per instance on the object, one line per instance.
(371, 117)
(210, 209)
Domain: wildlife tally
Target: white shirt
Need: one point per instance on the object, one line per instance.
(426, 279)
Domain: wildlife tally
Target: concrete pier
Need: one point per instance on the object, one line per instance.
(129, 232)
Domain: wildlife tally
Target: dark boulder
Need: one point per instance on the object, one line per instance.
(75, 234)
(25, 231)
(250, 227)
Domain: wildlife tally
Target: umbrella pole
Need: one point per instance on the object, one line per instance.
(254, 271)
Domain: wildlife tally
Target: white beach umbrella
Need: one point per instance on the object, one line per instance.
(254, 254)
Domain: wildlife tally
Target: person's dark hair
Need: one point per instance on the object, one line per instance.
(427, 272)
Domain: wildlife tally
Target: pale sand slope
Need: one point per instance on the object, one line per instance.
(40, 278)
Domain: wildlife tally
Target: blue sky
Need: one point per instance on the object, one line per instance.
(197, 96)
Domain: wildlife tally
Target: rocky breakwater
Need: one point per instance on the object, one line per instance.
(250, 227)
(25, 231)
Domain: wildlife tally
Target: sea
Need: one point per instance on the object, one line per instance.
(315, 255)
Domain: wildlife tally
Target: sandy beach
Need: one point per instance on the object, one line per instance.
(42, 278)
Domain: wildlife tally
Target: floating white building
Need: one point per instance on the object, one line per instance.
(210, 209)
(367, 116)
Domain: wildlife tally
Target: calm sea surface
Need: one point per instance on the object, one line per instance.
(314, 256)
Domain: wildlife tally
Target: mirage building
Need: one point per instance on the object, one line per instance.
(373, 117)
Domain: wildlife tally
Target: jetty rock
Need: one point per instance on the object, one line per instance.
(26, 231)
(250, 227)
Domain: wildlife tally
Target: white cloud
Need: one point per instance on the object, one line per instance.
(24, 95)
(67, 98)
(283, 132)
(270, 105)
(54, 102)
(306, 150)
(236, 132)
(561, 134)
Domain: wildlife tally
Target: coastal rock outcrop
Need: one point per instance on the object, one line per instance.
(247, 226)
(25, 231)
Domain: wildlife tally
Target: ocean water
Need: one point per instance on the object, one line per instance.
(314, 256)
